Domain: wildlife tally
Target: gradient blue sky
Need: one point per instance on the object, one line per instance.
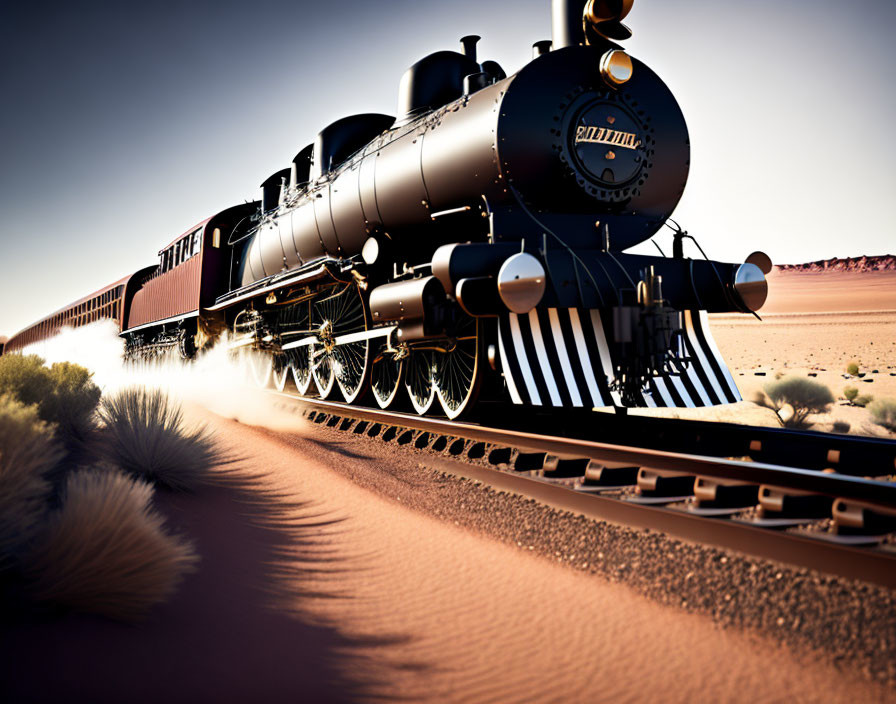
(124, 124)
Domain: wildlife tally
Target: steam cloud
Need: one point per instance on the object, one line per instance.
(217, 379)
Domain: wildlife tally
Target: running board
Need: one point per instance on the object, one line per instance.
(342, 339)
(242, 342)
(285, 281)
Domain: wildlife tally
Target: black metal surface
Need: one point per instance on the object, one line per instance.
(412, 303)
(435, 80)
(339, 140)
(453, 262)
(493, 70)
(567, 28)
(271, 188)
(514, 144)
(560, 171)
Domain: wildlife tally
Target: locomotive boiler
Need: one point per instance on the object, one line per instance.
(480, 233)
(471, 247)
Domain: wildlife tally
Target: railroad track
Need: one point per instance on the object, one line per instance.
(758, 503)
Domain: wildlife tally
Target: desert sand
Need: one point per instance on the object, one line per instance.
(323, 578)
(313, 588)
(813, 325)
(796, 291)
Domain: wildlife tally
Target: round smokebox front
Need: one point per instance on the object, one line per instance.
(608, 144)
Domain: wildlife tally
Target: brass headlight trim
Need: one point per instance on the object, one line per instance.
(616, 67)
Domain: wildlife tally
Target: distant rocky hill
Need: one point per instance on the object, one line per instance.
(883, 262)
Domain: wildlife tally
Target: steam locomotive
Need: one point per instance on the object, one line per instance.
(470, 248)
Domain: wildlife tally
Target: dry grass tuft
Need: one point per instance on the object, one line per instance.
(28, 453)
(146, 436)
(63, 393)
(72, 405)
(105, 551)
(883, 412)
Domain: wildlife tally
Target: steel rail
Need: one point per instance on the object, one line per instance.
(870, 564)
(870, 491)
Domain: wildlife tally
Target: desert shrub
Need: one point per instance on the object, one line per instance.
(852, 369)
(73, 403)
(64, 393)
(804, 397)
(851, 393)
(105, 551)
(28, 453)
(25, 378)
(146, 436)
(883, 412)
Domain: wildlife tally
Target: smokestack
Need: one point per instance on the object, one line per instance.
(469, 46)
(567, 27)
(540, 48)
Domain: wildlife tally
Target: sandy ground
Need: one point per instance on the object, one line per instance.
(813, 326)
(817, 346)
(332, 574)
(313, 588)
(830, 292)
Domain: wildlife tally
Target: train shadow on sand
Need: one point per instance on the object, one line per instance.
(241, 628)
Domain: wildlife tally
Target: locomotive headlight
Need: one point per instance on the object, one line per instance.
(615, 67)
(370, 252)
(521, 282)
(751, 286)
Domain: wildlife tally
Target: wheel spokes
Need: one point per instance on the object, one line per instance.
(419, 380)
(300, 365)
(450, 371)
(340, 312)
(385, 373)
(260, 366)
(322, 372)
(280, 371)
(457, 371)
(294, 322)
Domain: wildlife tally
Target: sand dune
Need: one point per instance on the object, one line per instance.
(830, 291)
(337, 593)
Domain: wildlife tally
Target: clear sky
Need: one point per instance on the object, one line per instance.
(122, 124)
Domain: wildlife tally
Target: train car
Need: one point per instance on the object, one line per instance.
(157, 308)
(167, 308)
(108, 303)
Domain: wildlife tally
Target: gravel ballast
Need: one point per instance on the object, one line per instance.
(851, 623)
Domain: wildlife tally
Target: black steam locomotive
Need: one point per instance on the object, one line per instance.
(471, 247)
